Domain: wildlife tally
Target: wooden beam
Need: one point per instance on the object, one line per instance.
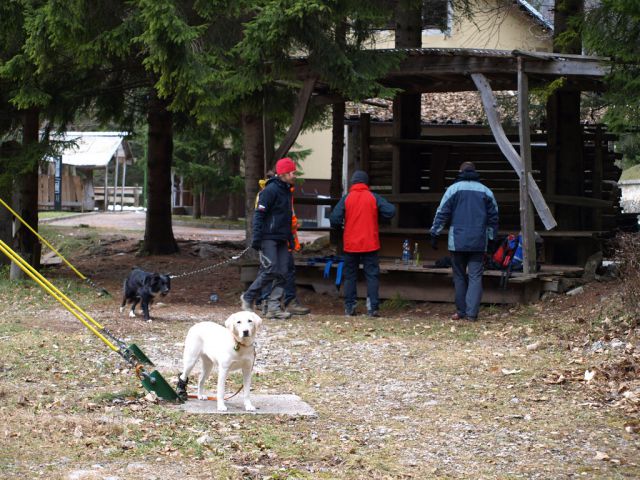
(365, 137)
(489, 103)
(526, 212)
(596, 179)
(304, 95)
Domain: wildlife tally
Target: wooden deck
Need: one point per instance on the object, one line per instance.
(430, 284)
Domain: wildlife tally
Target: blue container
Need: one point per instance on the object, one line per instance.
(406, 252)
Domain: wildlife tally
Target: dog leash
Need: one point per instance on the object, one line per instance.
(211, 267)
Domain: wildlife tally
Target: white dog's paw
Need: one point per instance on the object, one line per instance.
(131, 313)
(150, 320)
(249, 407)
(222, 407)
(202, 397)
(121, 309)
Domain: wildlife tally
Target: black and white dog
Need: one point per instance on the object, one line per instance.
(141, 286)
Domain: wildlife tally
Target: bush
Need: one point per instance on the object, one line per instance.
(628, 254)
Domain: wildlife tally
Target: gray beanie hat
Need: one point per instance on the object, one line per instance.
(359, 176)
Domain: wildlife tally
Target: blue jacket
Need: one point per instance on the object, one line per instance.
(472, 213)
(272, 216)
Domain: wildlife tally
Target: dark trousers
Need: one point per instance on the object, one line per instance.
(272, 273)
(467, 280)
(371, 268)
(289, 284)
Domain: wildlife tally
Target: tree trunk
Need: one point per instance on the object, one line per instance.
(235, 206)
(158, 235)
(197, 201)
(25, 198)
(337, 161)
(8, 150)
(253, 159)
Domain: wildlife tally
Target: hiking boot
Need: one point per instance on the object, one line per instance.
(457, 316)
(294, 308)
(350, 312)
(373, 313)
(278, 315)
(246, 305)
(264, 308)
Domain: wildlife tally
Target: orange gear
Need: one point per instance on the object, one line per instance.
(294, 230)
(294, 225)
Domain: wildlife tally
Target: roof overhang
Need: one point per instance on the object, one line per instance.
(93, 149)
(449, 70)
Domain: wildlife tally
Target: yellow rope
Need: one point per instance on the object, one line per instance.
(56, 293)
(42, 239)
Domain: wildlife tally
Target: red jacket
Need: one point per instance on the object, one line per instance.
(359, 210)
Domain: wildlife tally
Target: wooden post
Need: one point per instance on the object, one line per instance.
(597, 175)
(489, 103)
(106, 188)
(124, 177)
(526, 211)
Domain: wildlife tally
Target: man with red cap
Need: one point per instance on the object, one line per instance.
(272, 236)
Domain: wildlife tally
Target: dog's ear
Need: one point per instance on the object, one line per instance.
(256, 319)
(229, 322)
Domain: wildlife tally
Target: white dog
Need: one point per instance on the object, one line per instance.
(231, 348)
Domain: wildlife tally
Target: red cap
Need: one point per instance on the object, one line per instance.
(285, 165)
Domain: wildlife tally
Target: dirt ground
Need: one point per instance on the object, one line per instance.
(549, 390)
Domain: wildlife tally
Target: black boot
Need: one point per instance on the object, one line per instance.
(181, 388)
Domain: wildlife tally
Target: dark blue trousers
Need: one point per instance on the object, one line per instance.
(273, 274)
(289, 284)
(371, 267)
(467, 280)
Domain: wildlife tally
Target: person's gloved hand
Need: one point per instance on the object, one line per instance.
(256, 245)
(491, 245)
(434, 242)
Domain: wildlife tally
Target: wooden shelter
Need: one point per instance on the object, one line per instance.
(85, 152)
(412, 166)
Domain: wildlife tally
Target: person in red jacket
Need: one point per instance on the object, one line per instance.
(358, 212)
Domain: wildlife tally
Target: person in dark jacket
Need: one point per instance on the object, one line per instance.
(358, 211)
(272, 237)
(471, 211)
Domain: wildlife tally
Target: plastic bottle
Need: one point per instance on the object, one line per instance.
(406, 252)
(416, 254)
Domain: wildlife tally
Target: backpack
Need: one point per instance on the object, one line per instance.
(508, 255)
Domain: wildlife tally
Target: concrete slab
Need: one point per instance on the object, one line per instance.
(265, 405)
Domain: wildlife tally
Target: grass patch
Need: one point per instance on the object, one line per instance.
(53, 214)
(209, 222)
(395, 304)
(108, 397)
(70, 242)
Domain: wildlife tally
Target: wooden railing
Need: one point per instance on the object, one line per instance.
(131, 196)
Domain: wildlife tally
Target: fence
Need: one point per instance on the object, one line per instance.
(126, 196)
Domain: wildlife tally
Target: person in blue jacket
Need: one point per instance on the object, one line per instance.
(272, 236)
(471, 211)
